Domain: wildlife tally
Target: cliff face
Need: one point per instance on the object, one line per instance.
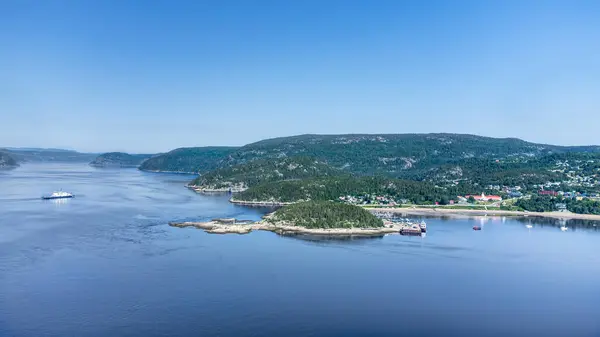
(7, 161)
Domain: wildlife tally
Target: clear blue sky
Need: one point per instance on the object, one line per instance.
(150, 76)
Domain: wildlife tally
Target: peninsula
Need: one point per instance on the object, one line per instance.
(119, 159)
(310, 218)
(7, 161)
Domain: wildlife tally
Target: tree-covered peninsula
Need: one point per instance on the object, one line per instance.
(119, 159)
(325, 214)
(311, 217)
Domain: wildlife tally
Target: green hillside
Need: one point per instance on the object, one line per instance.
(190, 159)
(331, 188)
(444, 159)
(395, 155)
(119, 159)
(324, 214)
(265, 170)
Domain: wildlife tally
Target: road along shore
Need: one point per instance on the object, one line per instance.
(439, 211)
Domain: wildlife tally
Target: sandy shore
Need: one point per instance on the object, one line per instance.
(285, 229)
(476, 212)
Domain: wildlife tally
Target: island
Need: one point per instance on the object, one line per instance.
(322, 218)
(119, 159)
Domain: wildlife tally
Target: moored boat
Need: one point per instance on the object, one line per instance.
(411, 229)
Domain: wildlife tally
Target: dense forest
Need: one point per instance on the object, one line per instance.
(331, 188)
(549, 204)
(438, 158)
(522, 172)
(396, 155)
(119, 159)
(190, 160)
(324, 214)
(268, 170)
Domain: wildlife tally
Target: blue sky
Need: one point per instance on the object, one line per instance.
(150, 76)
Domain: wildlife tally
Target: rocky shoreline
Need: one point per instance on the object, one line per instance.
(160, 171)
(259, 203)
(215, 227)
(206, 190)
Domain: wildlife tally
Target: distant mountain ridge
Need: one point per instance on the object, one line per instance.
(34, 155)
(119, 159)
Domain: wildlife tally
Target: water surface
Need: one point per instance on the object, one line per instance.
(107, 264)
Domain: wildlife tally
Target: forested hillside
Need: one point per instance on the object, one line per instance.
(331, 188)
(443, 159)
(265, 170)
(396, 155)
(190, 159)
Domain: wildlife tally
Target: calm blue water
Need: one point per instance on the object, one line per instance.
(107, 264)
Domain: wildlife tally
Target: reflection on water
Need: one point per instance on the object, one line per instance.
(575, 224)
(335, 238)
(59, 202)
(108, 264)
(534, 221)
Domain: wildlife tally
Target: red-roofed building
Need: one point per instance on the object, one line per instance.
(484, 197)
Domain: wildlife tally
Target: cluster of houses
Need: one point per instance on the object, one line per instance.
(372, 199)
(569, 195)
(576, 175)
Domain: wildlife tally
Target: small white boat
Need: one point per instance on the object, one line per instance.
(58, 195)
(529, 226)
(564, 228)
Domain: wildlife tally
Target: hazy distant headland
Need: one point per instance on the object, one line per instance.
(39, 155)
(119, 159)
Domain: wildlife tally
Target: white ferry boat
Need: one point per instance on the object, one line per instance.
(58, 195)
